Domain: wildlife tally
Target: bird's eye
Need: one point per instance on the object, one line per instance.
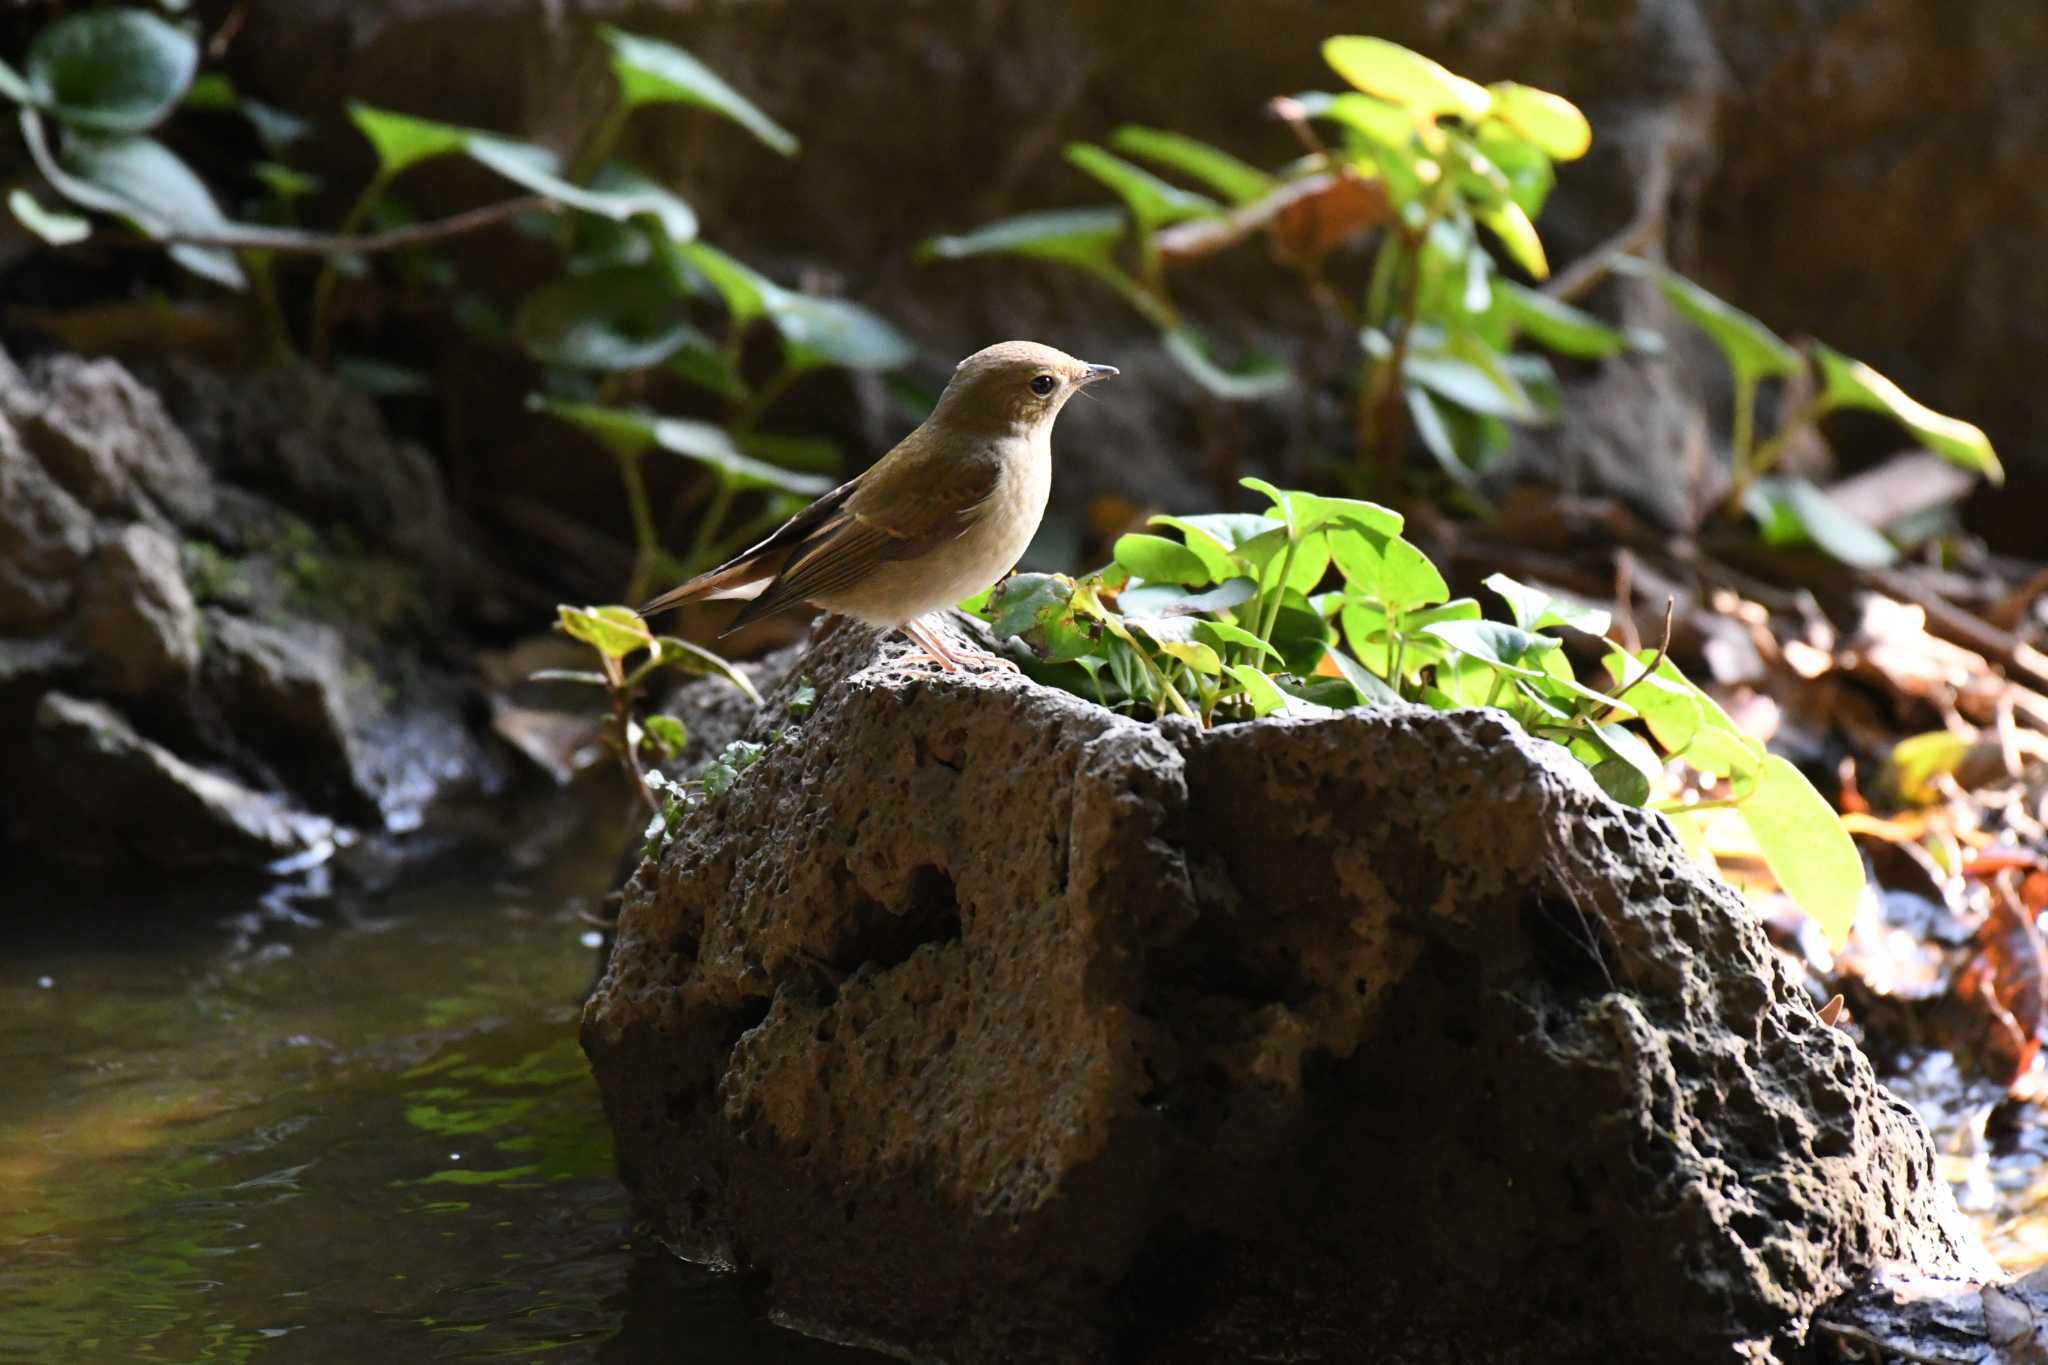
(1042, 385)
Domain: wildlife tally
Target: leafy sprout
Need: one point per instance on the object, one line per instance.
(1320, 603)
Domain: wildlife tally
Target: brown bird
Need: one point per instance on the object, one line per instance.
(942, 516)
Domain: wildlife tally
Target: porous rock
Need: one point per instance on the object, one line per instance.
(137, 618)
(989, 1025)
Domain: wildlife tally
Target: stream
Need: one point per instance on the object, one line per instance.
(306, 1125)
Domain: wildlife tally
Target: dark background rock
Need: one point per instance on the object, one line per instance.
(226, 632)
(1798, 152)
(993, 1026)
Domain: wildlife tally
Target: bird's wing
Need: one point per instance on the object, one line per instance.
(758, 562)
(900, 509)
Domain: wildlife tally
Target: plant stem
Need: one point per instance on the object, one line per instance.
(1688, 808)
(603, 134)
(645, 540)
(1740, 441)
(1398, 645)
(714, 515)
(1500, 680)
(763, 398)
(1270, 617)
(330, 276)
(1768, 452)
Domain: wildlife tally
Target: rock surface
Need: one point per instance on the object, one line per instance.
(989, 1025)
(218, 648)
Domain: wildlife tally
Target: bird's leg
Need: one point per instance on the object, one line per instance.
(936, 650)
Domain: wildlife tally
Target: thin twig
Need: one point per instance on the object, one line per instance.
(1663, 648)
(294, 241)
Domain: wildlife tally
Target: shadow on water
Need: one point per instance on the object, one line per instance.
(314, 1125)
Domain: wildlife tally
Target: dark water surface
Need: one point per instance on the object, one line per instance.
(354, 1127)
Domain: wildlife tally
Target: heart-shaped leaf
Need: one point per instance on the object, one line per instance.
(1534, 608)
(114, 70)
(1159, 560)
(402, 141)
(1387, 569)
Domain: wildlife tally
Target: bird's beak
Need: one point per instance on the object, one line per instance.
(1093, 373)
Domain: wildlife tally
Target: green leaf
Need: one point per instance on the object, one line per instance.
(626, 434)
(1753, 350)
(1851, 383)
(1082, 237)
(1508, 648)
(1371, 688)
(1153, 202)
(669, 734)
(820, 331)
(744, 291)
(696, 659)
(54, 226)
(1219, 170)
(1387, 568)
(1159, 560)
(1258, 689)
(1307, 512)
(1517, 233)
(650, 71)
(1533, 608)
(1389, 127)
(1550, 121)
(1193, 653)
(1205, 546)
(713, 445)
(1227, 529)
(1792, 511)
(1222, 635)
(1558, 326)
(1167, 599)
(1808, 850)
(1918, 759)
(819, 454)
(114, 70)
(613, 632)
(623, 318)
(1255, 377)
(403, 141)
(1300, 633)
(145, 182)
(617, 192)
(706, 365)
(1406, 78)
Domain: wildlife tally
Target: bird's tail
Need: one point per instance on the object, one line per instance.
(743, 578)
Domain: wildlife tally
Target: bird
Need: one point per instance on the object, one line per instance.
(944, 514)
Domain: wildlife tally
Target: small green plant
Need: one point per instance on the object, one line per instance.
(628, 655)
(1228, 618)
(1794, 510)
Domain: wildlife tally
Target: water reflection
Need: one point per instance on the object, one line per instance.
(323, 1126)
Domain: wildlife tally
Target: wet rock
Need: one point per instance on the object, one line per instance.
(989, 1025)
(279, 692)
(106, 440)
(136, 617)
(99, 790)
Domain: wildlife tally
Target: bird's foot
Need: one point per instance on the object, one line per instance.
(934, 649)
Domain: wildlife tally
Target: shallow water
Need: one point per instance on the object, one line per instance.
(319, 1127)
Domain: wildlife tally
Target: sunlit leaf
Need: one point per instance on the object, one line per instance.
(1753, 350)
(744, 291)
(1219, 170)
(1808, 850)
(1517, 233)
(650, 71)
(694, 658)
(1372, 689)
(1387, 569)
(1918, 759)
(115, 70)
(1534, 609)
(1404, 77)
(1550, 121)
(1559, 326)
(1223, 635)
(1084, 237)
(713, 445)
(1851, 383)
(1159, 560)
(613, 631)
(1153, 202)
(1306, 512)
(1508, 648)
(1259, 689)
(1202, 543)
(401, 140)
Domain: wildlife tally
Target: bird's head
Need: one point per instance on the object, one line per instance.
(1014, 385)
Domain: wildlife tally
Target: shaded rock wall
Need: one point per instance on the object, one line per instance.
(197, 673)
(1805, 154)
(992, 1026)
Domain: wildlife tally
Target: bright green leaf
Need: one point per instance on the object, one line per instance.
(401, 140)
(1153, 202)
(1159, 560)
(1222, 634)
(613, 631)
(1851, 383)
(1558, 326)
(1387, 569)
(1753, 350)
(1809, 852)
(1372, 689)
(1793, 510)
(1214, 553)
(1517, 233)
(1214, 167)
(1265, 698)
(1550, 121)
(1534, 609)
(713, 445)
(744, 291)
(650, 71)
(1508, 648)
(1406, 78)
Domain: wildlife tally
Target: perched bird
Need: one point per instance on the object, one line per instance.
(936, 520)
